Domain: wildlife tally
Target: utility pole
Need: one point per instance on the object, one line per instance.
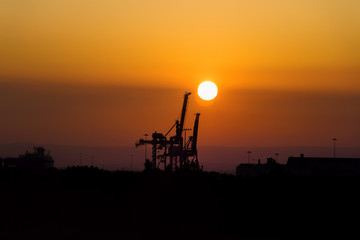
(131, 160)
(248, 152)
(334, 139)
(146, 135)
(276, 158)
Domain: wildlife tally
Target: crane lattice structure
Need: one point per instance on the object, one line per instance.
(174, 153)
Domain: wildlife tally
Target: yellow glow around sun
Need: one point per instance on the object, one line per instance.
(207, 90)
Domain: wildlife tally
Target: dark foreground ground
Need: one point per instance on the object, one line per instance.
(88, 203)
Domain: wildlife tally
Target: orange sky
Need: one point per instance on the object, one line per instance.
(236, 43)
(288, 71)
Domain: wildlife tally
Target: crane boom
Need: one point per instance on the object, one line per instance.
(179, 129)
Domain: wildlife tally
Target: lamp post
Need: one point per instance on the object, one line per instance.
(131, 161)
(145, 145)
(248, 152)
(334, 139)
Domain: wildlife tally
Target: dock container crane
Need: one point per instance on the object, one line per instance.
(180, 155)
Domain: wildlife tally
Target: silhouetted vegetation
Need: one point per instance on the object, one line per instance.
(90, 202)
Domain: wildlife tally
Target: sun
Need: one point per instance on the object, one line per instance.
(207, 90)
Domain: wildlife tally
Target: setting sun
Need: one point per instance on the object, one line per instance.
(207, 90)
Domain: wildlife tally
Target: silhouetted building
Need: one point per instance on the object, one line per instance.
(248, 169)
(323, 166)
(38, 159)
(303, 166)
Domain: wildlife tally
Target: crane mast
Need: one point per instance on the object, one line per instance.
(195, 133)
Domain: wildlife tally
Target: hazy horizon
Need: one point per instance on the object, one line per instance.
(212, 158)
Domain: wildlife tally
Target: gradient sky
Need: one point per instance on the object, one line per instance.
(103, 73)
(269, 43)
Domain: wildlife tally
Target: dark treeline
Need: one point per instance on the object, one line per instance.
(87, 202)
